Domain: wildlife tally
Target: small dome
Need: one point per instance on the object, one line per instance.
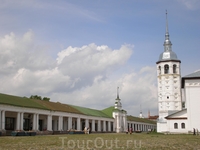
(168, 55)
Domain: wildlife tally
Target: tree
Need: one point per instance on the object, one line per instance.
(39, 97)
(35, 97)
(46, 99)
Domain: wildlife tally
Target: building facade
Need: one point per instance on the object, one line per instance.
(174, 91)
(45, 117)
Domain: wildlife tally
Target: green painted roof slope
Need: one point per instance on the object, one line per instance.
(20, 101)
(108, 111)
(136, 119)
(91, 112)
(56, 106)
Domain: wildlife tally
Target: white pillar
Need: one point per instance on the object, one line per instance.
(69, 123)
(60, 123)
(22, 121)
(93, 125)
(78, 124)
(104, 125)
(65, 124)
(18, 121)
(109, 126)
(99, 125)
(49, 122)
(0, 120)
(37, 121)
(114, 126)
(3, 120)
(117, 122)
(87, 123)
(34, 122)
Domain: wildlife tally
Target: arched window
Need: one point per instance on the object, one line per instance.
(159, 69)
(174, 69)
(183, 125)
(166, 69)
(175, 125)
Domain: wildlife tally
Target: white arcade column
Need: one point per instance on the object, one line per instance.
(49, 122)
(104, 125)
(93, 125)
(99, 125)
(3, 120)
(0, 120)
(86, 123)
(69, 123)
(109, 126)
(18, 121)
(22, 121)
(78, 123)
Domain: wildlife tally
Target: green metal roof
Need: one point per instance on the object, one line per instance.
(108, 111)
(136, 119)
(20, 101)
(91, 112)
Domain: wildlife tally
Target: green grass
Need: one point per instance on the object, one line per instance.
(105, 141)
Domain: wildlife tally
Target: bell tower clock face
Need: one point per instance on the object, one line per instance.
(166, 55)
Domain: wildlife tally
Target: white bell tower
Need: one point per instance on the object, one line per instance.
(169, 83)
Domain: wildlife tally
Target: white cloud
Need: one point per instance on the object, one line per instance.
(191, 4)
(86, 76)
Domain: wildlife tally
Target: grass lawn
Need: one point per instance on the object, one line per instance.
(105, 141)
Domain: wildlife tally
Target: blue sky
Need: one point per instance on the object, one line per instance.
(79, 52)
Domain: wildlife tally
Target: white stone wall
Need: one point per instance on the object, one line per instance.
(171, 129)
(169, 92)
(192, 94)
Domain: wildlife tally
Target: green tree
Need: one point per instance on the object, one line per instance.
(46, 99)
(39, 97)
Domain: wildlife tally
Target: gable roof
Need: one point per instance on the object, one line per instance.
(136, 119)
(108, 111)
(194, 75)
(57, 106)
(48, 105)
(20, 101)
(91, 112)
(182, 114)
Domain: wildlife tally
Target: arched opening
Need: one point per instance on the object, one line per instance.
(174, 69)
(183, 125)
(166, 69)
(175, 125)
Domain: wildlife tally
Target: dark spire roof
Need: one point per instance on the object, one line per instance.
(168, 54)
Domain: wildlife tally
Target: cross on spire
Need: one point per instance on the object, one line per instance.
(166, 23)
(117, 92)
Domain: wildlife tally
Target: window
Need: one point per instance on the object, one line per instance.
(166, 69)
(183, 125)
(175, 125)
(9, 123)
(174, 69)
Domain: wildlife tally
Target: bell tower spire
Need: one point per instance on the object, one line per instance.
(167, 42)
(169, 82)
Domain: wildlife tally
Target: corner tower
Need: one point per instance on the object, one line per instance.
(169, 83)
(119, 114)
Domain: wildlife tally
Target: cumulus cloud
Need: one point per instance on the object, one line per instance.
(86, 76)
(190, 4)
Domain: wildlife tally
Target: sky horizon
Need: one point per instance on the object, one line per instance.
(79, 52)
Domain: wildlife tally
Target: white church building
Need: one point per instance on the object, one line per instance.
(178, 97)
